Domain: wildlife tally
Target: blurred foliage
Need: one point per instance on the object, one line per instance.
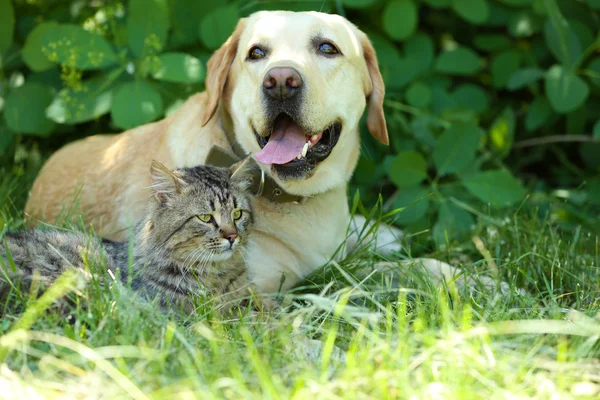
(487, 100)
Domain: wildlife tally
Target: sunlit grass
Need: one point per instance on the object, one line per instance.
(345, 334)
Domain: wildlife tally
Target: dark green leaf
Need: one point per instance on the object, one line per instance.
(497, 188)
(179, 67)
(459, 61)
(594, 71)
(86, 102)
(576, 121)
(407, 169)
(400, 19)
(502, 132)
(596, 130)
(595, 4)
(147, 26)
(565, 90)
(73, 46)
(538, 114)
(524, 77)
(7, 24)
(516, 3)
(134, 104)
(504, 65)
(471, 96)
(416, 202)
(218, 25)
(185, 16)
(452, 221)
(420, 48)
(475, 11)
(32, 53)
(492, 43)
(359, 3)
(439, 3)
(418, 95)
(25, 109)
(6, 139)
(525, 24)
(593, 191)
(560, 38)
(457, 147)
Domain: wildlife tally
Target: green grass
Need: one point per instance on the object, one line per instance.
(403, 339)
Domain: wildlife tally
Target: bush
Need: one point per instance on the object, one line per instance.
(485, 98)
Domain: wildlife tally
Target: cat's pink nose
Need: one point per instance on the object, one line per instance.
(231, 236)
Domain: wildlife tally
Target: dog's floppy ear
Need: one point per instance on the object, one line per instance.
(375, 117)
(217, 70)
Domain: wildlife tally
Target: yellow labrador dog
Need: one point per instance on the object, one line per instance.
(289, 88)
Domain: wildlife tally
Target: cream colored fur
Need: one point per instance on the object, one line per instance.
(291, 239)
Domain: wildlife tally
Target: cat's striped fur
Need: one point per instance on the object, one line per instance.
(191, 241)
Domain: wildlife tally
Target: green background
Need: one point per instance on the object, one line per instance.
(491, 104)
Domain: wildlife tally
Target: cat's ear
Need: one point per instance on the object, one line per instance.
(241, 173)
(164, 183)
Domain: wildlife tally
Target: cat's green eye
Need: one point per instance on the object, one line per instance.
(237, 214)
(205, 217)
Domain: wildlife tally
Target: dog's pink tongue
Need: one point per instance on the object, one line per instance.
(285, 143)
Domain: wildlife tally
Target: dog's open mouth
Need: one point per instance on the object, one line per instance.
(289, 145)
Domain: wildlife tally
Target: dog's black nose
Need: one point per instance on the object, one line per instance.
(282, 83)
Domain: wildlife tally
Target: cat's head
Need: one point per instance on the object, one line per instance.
(200, 214)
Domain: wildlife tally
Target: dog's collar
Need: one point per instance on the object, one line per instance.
(262, 184)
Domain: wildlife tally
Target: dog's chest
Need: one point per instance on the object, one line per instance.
(294, 240)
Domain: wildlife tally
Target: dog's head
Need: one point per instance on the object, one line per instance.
(295, 86)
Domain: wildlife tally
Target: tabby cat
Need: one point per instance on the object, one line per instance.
(191, 241)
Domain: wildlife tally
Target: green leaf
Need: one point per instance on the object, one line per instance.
(594, 70)
(524, 77)
(565, 90)
(185, 16)
(471, 96)
(416, 201)
(86, 102)
(594, 4)
(475, 11)
(418, 95)
(459, 61)
(7, 24)
(420, 48)
(491, 43)
(147, 26)
(596, 130)
(73, 46)
(502, 132)
(593, 191)
(504, 65)
(525, 24)
(179, 67)
(25, 109)
(218, 25)
(32, 52)
(438, 3)
(539, 113)
(136, 103)
(516, 3)
(498, 188)
(457, 147)
(359, 3)
(400, 19)
(407, 169)
(452, 221)
(560, 38)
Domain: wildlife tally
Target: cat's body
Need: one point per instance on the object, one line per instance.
(190, 242)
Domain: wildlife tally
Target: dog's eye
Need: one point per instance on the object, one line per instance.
(328, 49)
(256, 53)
